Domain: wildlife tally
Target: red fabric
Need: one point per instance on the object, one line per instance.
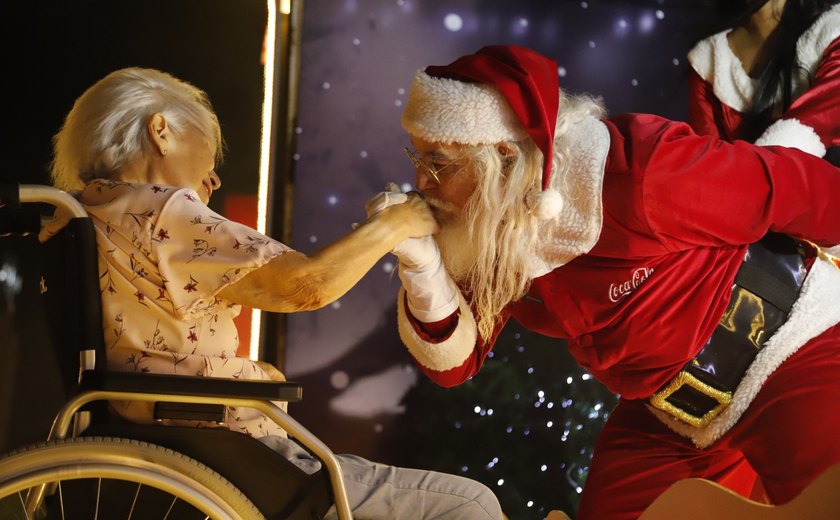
(243, 209)
(526, 79)
(788, 434)
(677, 220)
(818, 107)
(707, 115)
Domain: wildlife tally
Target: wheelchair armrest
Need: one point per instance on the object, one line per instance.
(190, 385)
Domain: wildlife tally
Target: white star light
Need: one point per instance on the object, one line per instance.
(339, 379)
(453, 22)
(646, 23)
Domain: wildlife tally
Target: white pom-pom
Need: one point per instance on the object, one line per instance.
(549, 205)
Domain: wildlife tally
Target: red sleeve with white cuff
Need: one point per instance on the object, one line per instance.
(812, 122)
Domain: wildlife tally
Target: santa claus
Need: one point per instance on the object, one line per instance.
(630, 237)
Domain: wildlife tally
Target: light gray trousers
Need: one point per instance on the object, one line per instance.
(380, 492)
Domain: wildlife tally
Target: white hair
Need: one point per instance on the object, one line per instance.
(491, 248)
(107, 126)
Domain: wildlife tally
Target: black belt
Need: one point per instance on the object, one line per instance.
(766, 287)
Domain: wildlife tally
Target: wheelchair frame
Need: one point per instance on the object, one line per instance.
(96, 385)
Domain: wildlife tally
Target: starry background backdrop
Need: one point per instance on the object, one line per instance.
(526, 424)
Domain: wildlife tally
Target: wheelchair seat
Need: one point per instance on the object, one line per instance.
(214, 471)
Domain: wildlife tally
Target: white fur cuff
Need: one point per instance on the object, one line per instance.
(793, 134)
(447, 354)
(449, 111)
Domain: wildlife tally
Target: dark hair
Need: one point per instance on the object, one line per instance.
(780, 51)
(797, 17)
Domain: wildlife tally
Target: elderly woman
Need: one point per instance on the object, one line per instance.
(142, 147)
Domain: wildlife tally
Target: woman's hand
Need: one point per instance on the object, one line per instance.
(413, 217)
(409, 208)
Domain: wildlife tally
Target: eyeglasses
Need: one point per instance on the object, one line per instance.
(419, 163)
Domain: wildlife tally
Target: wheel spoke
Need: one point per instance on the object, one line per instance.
(174, 499)
(60, 500)
(134, 502)
(23, 505)
(98, 492)
(96, 477)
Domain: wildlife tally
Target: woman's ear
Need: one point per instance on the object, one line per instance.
(159, 133)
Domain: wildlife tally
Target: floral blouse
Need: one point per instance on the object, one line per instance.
(163, 258)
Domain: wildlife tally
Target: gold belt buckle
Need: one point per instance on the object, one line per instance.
(659, 399)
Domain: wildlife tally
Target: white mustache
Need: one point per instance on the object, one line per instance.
(438, 204)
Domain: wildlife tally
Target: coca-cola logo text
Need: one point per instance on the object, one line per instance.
(622, 289)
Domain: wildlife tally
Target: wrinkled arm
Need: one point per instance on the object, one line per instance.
(296, 282)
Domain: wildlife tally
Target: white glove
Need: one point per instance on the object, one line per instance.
(432, 295)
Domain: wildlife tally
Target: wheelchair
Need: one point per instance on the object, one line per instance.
(94, 466)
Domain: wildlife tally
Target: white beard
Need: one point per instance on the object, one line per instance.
(456, 249)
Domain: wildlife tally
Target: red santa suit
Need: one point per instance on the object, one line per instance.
(721, 91)
(678, 211)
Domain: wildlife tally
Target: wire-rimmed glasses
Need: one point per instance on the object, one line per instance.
(419, 163)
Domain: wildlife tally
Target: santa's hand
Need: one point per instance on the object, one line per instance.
(418, 254)
(432, 295)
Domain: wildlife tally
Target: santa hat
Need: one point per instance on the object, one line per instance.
(500, 93)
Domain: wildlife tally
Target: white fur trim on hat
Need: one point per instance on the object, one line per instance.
(814, 312)
(447, 354)
(793, 134)
(445, 110)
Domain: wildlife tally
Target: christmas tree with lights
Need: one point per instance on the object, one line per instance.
(525, 425)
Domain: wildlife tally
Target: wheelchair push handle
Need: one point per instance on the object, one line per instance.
(17, 219)
(52, 196)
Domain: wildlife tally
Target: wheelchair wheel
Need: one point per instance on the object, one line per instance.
(112, 478)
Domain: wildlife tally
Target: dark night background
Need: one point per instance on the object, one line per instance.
(526, 424)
